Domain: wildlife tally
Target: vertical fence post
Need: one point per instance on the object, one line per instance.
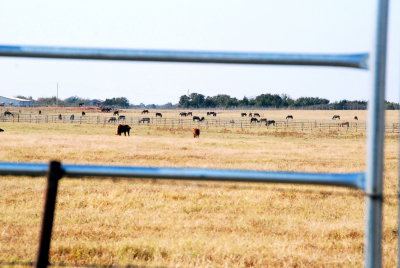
(54, 175)
(376, 135)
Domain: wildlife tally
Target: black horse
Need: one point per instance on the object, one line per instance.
(270, 122)
(144, 119)
(289, 117)
(7, 113)
(336, 117)
(197, 118)
(112, 119)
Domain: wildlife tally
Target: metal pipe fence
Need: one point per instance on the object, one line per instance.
(55, 171)
(279, 125)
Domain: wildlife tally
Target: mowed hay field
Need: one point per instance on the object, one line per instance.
(194, 224)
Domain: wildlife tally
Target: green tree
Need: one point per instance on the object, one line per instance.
(184, 101)
(197, 100)
(118, 102)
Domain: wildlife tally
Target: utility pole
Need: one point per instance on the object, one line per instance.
(57, 96)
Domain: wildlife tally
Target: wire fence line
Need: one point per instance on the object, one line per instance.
(297, 125)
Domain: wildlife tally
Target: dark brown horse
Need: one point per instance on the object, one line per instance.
(123, 129)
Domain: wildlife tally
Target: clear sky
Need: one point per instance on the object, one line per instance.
(312, 26)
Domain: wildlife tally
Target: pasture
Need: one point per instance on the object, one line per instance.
(191, 224)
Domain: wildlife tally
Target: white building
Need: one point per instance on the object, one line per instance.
(17, 102)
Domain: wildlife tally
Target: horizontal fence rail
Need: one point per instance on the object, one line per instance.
(342, 60)
(351, 180)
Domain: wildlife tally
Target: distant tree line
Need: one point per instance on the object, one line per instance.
(196, 100)
(76, 101)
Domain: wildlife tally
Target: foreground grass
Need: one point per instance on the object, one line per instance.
(172, 223)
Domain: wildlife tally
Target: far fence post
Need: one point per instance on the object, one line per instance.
(55, 174)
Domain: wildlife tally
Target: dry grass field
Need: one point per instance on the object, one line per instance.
(192, 224)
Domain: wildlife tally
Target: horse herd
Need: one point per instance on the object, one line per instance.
(254, 118)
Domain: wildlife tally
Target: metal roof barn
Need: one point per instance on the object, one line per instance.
(17, 102)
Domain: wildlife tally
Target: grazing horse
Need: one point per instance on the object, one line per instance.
(256, 114)
(189, 114)
(59, 117)
(183, 114)
(196, 133)
(116, 113)
(7, 113)
(40, 112)
(105, 110)
(355, 117)
(112, 119)
(123, 129)
(197, 118)
(121, 117)
(270, 122)
(344, 124)
(1, 130)
(159, 114)
(263, 120)
(212, 113)
(144, 119)
(243, 114)
(253, 119)
(289, 117)
(72, 117)
(83, 113)
(145, 111)
(336, 117)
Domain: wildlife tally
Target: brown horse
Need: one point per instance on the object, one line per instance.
(196, 133)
